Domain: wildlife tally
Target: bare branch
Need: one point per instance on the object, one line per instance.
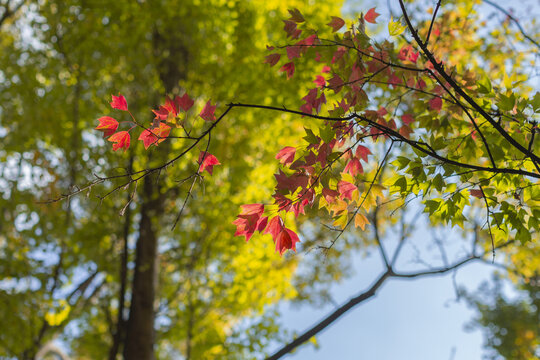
(390, 273)
(432, 21)
(330, 318)
(528, 37)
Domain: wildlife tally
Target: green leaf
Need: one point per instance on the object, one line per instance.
(311, 137)
(506, 103)
(432, 205)
(401, 182)
(535, 102)
(327, 134)
(401, 162)
(438, 182)
(484, 85)
(341, 221)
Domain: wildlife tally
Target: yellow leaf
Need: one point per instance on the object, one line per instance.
(338, 207)
(341, 221)
(395, 28)
(55, 318)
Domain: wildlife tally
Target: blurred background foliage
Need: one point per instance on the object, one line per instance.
(61, 262)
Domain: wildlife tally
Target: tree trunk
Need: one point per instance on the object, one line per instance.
(120, 330)
(139, 344)
(140, 335)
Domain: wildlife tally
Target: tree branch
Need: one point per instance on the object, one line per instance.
(514, 20)
(390, 273)
(432, 21)
(438, 66)
(330, 318)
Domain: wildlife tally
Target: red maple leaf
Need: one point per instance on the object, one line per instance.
(309, 41)
(413, 56)
(207, 162)
(407, 119)
(293, 52)
(250, 220)
(162, 113)
(289, 69)
(155, 136)
(311, 97)
(286, 240)
(405, 53)
(119, 102)
(354, 167)
(283, 203)
(346, 189)
(184, 102)
(286, 155)
(336, 23)
(207, 112)
(292, 182)
(394, 80)
(298, 207)
(335, 83)
(338, 54)
(173, 106)
(319, 81)
(121, 140)
(275, 226)
(382, 111)
(272, 59)
(371, 15)
(108, 125)
(291, 29)
(435, 104)
(421, 84)
(477, 193)
(251, 209)
(355, 74)
(405, 131)
(330, 195)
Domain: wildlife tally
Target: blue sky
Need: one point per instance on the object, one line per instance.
(407, 319)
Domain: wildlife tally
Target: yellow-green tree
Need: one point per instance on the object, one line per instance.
(69, 266)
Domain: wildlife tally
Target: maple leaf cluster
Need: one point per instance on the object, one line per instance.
(304, 178)
(251, 219)
(299, 181)
(160, 129)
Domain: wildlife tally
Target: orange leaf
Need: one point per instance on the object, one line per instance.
(360, 221)
(121, 140)
(108, 125)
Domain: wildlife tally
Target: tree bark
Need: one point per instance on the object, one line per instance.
(139, 344)
(140, 334)
(120, 330)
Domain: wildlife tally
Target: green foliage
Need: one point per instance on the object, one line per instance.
(510, 326)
